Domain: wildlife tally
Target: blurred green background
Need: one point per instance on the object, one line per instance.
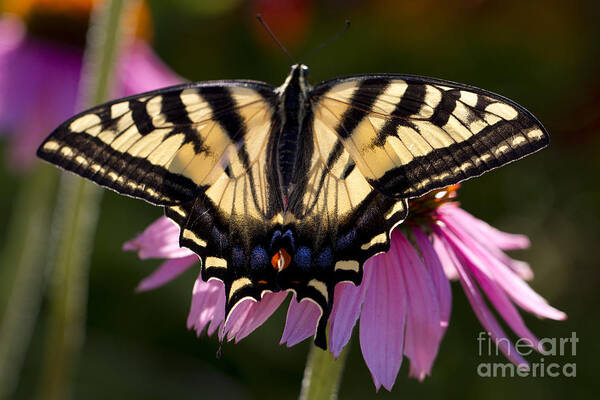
(543, 54)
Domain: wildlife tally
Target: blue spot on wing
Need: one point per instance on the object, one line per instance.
(219, 237)
(276, 234)
(325, 259)
(290, 235)
(347, 240)
(259, 257)
(302, 257)
(238, 256)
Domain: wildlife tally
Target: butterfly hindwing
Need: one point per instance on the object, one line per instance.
(409, 135)
(233, 251)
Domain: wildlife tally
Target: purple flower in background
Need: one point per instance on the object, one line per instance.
(39, 81)
(404, 300)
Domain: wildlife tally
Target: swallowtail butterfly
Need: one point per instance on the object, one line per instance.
(292, 187)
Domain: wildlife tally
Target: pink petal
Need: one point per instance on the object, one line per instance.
(445, 259)
(483, 313)
(168, 271)
(140, 70)
(479, 269)
(439, 278)
(518, 290)
(39, 81)
(217, 312)
(236, 319)
(260, 312)
(347, 300)
(159, 240)
(485, 232)
(423, 328)
(12, 32)
(42, 78)
(208, 305)
(523, 295)
(301, 321)
(472, 227)
(521, 268)
(382, 318)
(199, 296)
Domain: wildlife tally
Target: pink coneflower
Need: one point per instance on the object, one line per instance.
(41, 49)
(404, 300)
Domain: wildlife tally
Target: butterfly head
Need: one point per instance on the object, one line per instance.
(299, 71)
(297, 80)
(303, 69)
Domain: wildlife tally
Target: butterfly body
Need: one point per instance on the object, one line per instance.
(294, 187)
(292, 111)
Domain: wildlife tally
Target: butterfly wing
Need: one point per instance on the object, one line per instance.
(201, 151)
(409, 135)
(168, 145)
(378, 140)
(230, 225)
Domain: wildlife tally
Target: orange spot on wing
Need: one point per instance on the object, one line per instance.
(281, 260)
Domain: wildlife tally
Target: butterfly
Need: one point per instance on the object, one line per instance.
(292, 187)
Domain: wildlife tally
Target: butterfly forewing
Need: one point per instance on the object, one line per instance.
(409, 135)
(164, 146)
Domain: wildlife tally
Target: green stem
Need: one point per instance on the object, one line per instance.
(75, 218)
(322, 374)
(23, 275)
(79, 203)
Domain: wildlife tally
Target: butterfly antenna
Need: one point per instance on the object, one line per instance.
(264, 24)
(331, 40)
